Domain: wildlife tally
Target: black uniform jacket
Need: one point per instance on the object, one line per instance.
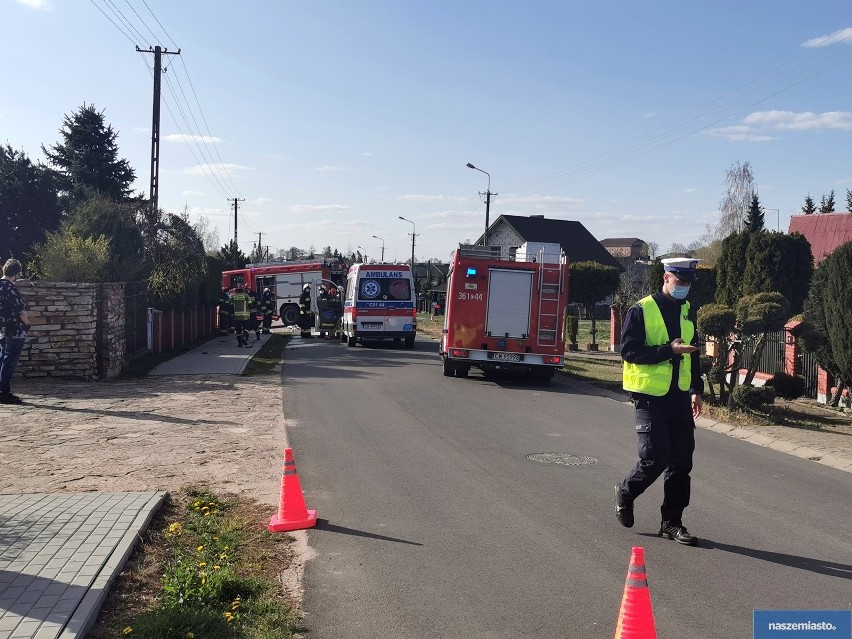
(635, 351)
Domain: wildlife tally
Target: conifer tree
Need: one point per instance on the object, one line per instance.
(849, 200)
(826, 204)
(86, 160)
(754, 217)
(809, 208)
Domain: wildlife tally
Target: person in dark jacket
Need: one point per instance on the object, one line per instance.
(267, 307)
(14, 326)
(659, 344)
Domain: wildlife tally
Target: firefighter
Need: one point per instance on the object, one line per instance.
(226, 311)
(663, 375)
(305, 299)
(253, 324)
(267, 307)
(241, 303)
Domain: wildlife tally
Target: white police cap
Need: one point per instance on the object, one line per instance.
(683, 267)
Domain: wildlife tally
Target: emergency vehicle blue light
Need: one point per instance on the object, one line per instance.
(471, 272)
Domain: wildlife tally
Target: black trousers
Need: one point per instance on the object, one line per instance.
(666, 431)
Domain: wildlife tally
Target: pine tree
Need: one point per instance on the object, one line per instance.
(778, 262)
(233, 256)
(849, 200)
(29, 207)
(826, 205)
(754, 217)
(87, 161)
(809, 208)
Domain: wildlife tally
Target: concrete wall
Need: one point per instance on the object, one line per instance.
(77, 329)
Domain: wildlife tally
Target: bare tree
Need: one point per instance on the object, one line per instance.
(208, 233)
(678, 249)
(653, 249)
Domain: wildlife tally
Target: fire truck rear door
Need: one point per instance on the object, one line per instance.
(509, 299)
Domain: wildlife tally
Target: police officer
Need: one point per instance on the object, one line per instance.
(662, 373)
(241, 303)
(267, 307)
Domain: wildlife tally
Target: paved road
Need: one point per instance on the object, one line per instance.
(436, 522)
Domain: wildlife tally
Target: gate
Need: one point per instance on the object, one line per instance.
(136, 318)
(772, 358)
(808, 367)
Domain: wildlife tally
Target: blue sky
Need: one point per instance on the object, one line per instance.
(333, 118)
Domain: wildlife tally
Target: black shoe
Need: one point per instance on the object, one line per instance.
(10, 399)
(623, 509)
(679, 534)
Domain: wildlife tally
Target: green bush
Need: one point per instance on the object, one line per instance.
(572, 324)
(787, 386)
(753, 397)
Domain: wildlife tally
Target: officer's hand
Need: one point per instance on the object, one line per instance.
(697, 404)
(680, 348)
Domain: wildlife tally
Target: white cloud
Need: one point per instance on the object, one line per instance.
(541, 202)
(325, 226)
(689, 190)
(183, 137)
(739, 133)
(451, 213)
(825, 41)
(331, 168)
(367, 154)
(203, 169)
(263, 200)
(803, 121)
(303, 209)
(41, 5)
(430, 198)
(142, 129)
(652, 114)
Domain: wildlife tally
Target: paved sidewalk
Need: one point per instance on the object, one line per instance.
(217, 356)
(59, 554)
(193, 420)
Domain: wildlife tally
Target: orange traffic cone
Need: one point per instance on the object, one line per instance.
(293, 514)
(636, 618)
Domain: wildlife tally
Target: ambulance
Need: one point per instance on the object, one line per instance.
(380, 303)
(505, 312)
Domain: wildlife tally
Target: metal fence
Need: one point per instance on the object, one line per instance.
(136, 317)
(808, 370)
(772, 358)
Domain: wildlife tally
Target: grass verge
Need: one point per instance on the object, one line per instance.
(268, 357)
(206, 569)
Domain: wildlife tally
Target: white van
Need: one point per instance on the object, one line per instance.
(380, 303)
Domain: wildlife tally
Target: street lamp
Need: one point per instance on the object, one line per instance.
(413, 235)
(383, 246)
(488, 195)
(779, 216)
(361, 248)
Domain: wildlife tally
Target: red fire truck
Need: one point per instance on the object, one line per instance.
(286, 280)
(505, 313)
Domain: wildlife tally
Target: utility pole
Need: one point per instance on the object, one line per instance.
(488, 194)
(158, 52)
(236, 244)
(259, 252)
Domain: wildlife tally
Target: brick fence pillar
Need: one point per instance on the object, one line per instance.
(824, 384)
(614, 329)
(791, 349)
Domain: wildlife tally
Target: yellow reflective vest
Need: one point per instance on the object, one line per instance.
(240, 302)
(656, 379)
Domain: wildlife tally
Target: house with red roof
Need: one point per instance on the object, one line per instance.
(825, 231)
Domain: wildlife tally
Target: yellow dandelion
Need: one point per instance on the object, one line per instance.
(217, 567)
(207, 514)
(127, 630)
(226, 548)
(200, 548)
(201, 564)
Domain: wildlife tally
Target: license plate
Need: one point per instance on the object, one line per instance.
(506, 357)
(371, 325)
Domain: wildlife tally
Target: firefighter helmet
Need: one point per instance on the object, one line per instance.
(266, 290)
(306, 287)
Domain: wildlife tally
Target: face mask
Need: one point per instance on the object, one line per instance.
(680, 292)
